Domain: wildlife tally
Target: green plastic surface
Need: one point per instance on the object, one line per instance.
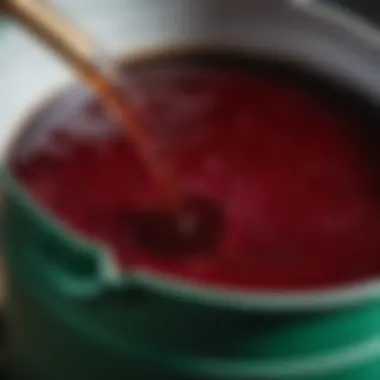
(110, 328)
(72, 316)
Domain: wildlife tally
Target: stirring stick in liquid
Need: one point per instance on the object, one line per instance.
(73, 46)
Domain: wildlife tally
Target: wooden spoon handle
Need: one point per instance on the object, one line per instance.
(81, 54)
(70, 43)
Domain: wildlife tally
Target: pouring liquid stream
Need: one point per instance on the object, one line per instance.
(178, 222)
(74, 47)
(129, 119)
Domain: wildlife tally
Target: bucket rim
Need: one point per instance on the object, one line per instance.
(350, 294)
(109, 276)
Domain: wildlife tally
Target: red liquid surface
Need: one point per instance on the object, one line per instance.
(289, 186)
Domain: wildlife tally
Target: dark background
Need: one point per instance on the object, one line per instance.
(370, 9)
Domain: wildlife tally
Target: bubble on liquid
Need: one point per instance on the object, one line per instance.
(196, 229)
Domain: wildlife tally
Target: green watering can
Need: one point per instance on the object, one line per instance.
(72, 316)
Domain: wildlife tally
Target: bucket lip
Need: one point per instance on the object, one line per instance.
(109, 275)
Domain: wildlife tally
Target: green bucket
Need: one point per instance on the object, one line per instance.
(72, 315)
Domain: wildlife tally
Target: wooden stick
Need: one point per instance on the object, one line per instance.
(80, 52)
(70, 43)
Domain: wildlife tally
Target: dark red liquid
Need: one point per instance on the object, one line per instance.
(285, 185)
